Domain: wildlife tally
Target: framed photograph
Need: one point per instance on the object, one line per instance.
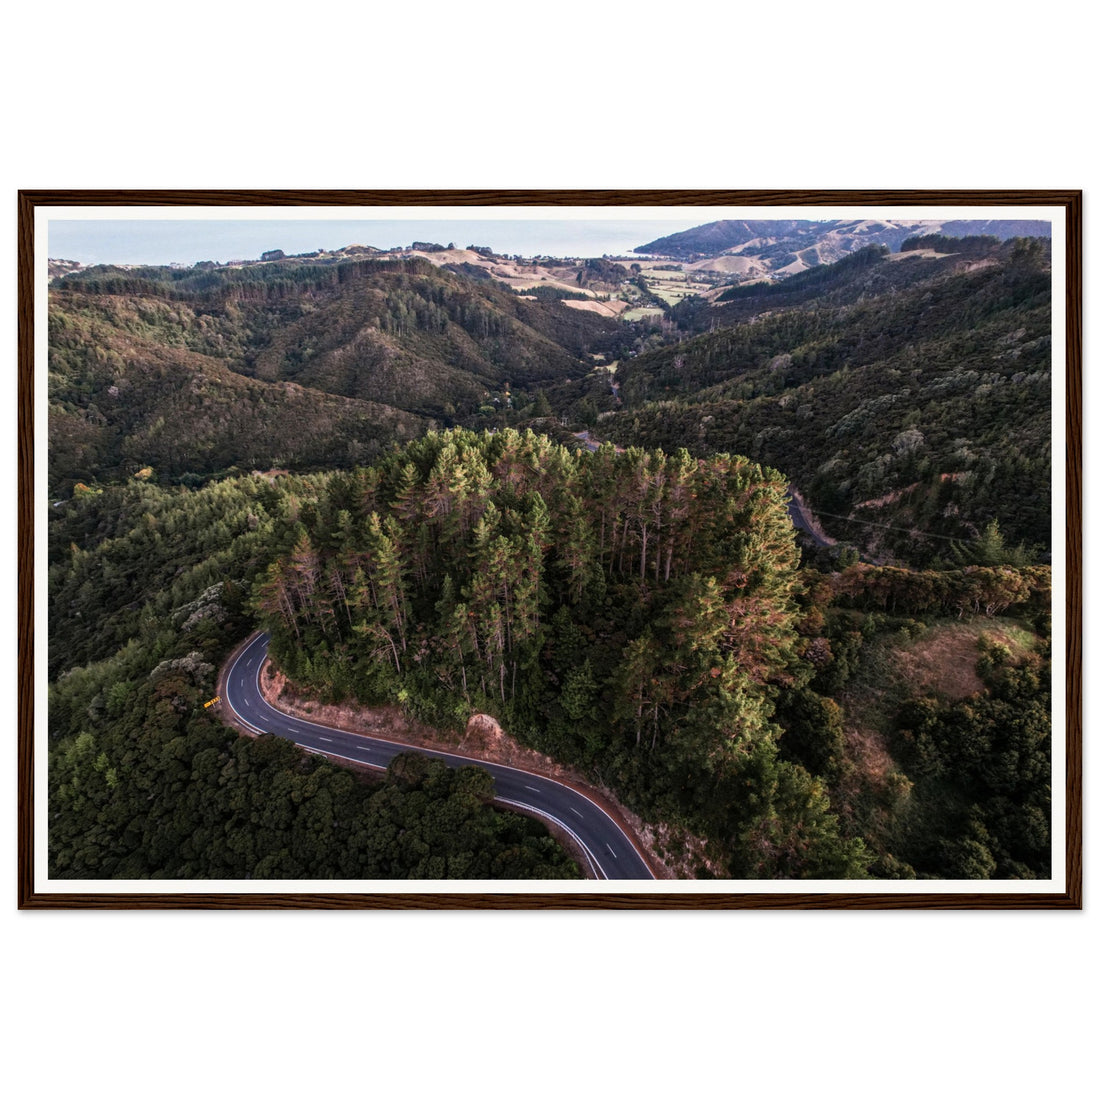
(550, 549)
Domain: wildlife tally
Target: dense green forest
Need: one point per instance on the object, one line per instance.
(641, 616)
(907, 396)
(430, 533)
(629, 613)
(149, 592)
(198, 372)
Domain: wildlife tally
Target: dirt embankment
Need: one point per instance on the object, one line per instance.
(483, 739)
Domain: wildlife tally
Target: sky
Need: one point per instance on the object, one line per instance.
(144, 241)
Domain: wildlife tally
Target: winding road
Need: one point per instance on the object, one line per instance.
(608, 851)
(798, 516)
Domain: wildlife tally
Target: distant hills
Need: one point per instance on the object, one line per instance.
(901, 381)
(907, 394)
(197, 370)
(785, 247)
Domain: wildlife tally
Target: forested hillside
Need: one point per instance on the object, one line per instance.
(193, 371)
(907, 396)
(637, 614)
(148, 593)
(431, 531)
(630, 613)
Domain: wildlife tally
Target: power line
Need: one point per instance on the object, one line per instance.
(890, 527)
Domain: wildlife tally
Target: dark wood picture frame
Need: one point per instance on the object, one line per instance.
(1070, 201)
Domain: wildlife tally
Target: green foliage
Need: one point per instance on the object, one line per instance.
(519, 576)
(909, 400)
(303, 364)
(971, 796)
(131, 386)
(989, 549)
(547, 293)
(976, 247)
(144, 783)
(196, 802)
(637, 613)
(813, 733)
(142, 562)
(971, 590)
(810, 284)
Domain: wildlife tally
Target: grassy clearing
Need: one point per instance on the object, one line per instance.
(674, 286)
(667, 294)
(943, 660)
(938, 660)
(612, 308)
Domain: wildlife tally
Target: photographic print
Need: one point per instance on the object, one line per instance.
(550, 549)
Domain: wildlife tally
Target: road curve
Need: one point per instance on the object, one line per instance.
(608, 851)
(798, 516)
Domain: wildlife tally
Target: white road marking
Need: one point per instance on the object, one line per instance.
(577, 812)
(594, 863)
(248, 663)
(600, 873)
(530, 788)
(328, 739)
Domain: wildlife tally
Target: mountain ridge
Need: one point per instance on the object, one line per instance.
(788, 246)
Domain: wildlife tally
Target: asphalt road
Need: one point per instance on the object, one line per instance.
(798, 518)
(608, 851)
